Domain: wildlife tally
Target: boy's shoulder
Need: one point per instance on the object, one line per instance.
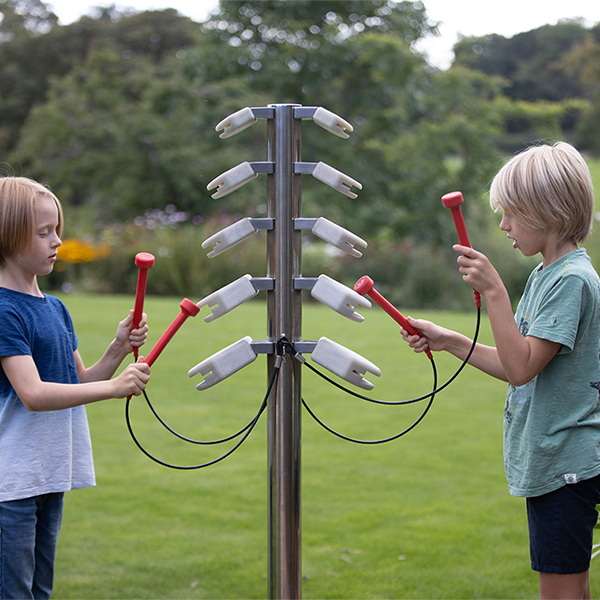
(577, 263)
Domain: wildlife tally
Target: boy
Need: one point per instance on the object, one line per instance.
(548, 352)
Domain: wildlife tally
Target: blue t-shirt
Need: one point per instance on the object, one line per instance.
(40, 452)
(552, 423)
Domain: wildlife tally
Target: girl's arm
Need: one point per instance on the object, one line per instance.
(38, 395)
(125, 340)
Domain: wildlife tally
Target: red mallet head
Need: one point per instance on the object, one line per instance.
(144, 260)
(452, 200)
(364, 285)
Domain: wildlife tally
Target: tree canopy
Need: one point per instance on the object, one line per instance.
(117, 111)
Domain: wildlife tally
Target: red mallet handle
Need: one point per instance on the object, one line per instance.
(143, 261)
(364, 286)
(188, 309)
(453, 200)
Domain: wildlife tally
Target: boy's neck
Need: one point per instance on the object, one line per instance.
(554, 252)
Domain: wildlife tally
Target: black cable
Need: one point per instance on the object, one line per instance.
(250, 427)
(400, 402)
(389, 439)
(189, 440)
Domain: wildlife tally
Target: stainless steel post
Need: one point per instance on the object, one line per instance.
(284, 318)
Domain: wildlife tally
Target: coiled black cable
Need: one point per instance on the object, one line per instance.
(413, 400)
(248, 429)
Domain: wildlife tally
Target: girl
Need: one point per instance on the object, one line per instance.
(45, 447)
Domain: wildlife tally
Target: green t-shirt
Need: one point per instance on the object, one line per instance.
(552, 423)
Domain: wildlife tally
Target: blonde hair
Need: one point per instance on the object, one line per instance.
(549, 188)
(19, 197)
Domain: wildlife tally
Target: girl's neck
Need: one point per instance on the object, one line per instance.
(14, 279)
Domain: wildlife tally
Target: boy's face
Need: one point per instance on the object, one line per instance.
(42, 256)
(529, 241)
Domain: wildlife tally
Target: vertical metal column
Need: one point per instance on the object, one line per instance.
(285, 312)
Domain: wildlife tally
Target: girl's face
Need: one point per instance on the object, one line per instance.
(40, 259)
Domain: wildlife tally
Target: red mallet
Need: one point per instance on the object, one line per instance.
(364, 286)
(188, 309)
(143, 261)
(453, 200)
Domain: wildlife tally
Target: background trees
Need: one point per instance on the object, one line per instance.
(117, 111)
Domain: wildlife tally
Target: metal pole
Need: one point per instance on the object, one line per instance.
(285, 311)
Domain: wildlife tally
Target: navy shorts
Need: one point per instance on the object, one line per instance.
(561, 527)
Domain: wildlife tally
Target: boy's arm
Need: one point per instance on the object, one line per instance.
(521, 358)
(38, 395)
(484, 358)
(125, 340)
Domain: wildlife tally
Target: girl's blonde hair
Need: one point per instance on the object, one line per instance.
(549, 188)
(19, 197)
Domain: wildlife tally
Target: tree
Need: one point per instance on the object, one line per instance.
(34, 48)
(583, 61)
(529, 61)
(127, 134)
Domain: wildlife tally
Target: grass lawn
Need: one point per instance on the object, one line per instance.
(425, 516)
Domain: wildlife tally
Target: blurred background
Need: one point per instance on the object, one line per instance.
(115, 109)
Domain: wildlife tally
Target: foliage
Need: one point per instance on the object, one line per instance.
(583, 60)
(551, 71)
(530, 61)
(123, 123)
(125, 135)
(34, 50)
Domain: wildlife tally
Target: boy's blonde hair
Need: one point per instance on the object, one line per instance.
(18, 201)
(549, 188)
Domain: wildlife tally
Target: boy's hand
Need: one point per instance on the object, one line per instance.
(477, 270)
(128, 338)
(433, 336)
(133, 380)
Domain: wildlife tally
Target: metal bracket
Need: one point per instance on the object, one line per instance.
(263, 283)
(305, 283)
(328, 175)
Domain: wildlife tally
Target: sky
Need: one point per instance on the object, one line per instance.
(457, 17)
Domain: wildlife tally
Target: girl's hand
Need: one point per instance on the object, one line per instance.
(133, 380)
(127, 337)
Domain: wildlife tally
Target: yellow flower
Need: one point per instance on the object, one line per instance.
(77, 251)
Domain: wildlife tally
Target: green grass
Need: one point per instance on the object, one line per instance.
(426, 516)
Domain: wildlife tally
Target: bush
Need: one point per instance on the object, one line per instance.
(406, 272)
